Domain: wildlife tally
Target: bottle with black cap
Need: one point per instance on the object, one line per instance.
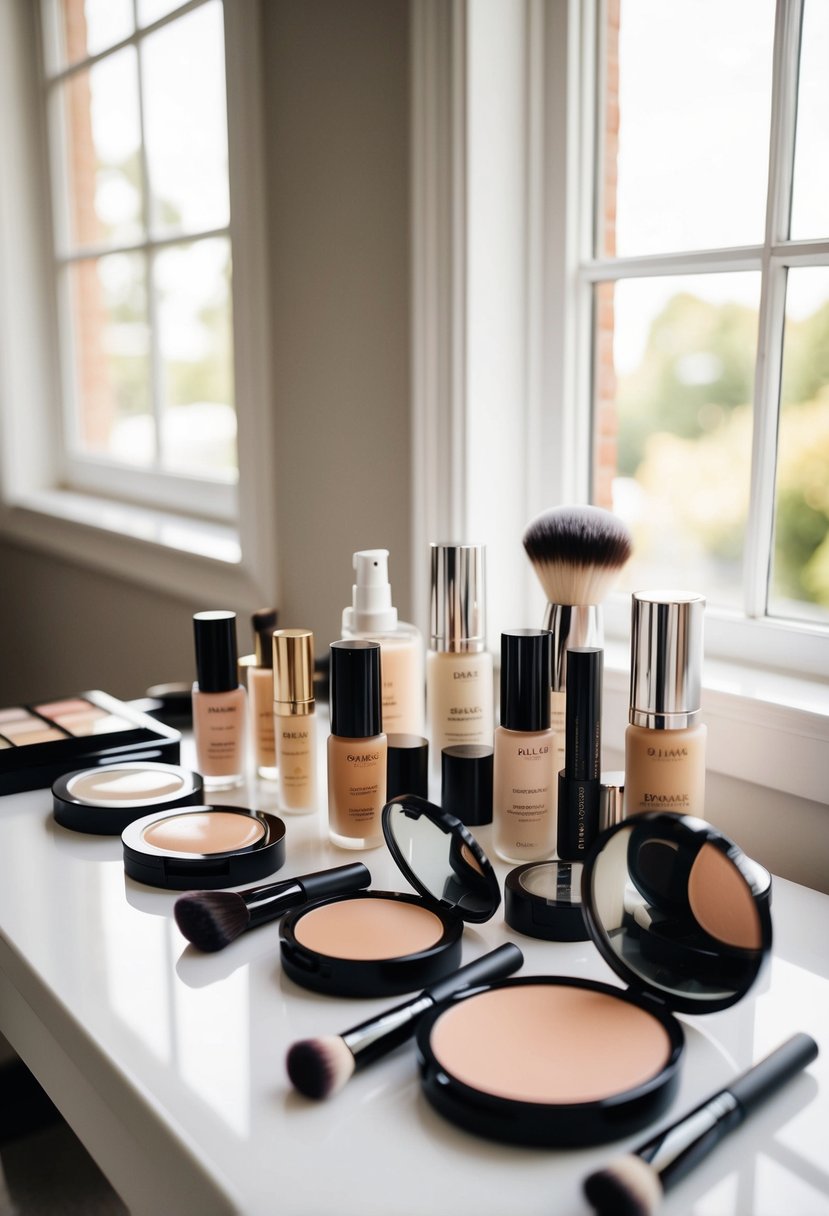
(357, 747)
(218, 701)
(523, 777)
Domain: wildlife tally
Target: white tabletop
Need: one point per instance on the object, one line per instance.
(169, 1064)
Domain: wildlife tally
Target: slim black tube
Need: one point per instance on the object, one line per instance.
(579, 783)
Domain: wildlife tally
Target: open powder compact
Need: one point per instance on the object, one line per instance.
(553, 1060)
(103, 801)
(203, 847)
(381, 943)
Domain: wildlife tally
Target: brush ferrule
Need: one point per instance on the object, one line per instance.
(674, 1152)
(267, 903)
(377, 1036)
(572, 625)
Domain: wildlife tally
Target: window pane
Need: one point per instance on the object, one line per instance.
(151, 10)
(800, 570)
(198, 418)
(810, 200)
(110, 355)
(101, 140)
(673, 416)
(185, 122)
(78, 28)
(686, 124)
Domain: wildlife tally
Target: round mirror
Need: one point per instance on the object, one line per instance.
(676, 906)
(440, 857)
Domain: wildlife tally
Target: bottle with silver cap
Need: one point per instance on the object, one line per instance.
(665, 741)
(459, 691)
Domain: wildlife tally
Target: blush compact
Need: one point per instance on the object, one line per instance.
(560, 1061)
(103, 801)
(381, 943)
(203, 847)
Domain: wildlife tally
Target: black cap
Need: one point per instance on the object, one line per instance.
(263, 622)
(526, 679)
(215, 634)
(407, 767)
(466, 782)
(356, 711)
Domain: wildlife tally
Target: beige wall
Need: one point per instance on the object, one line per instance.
(337, 135)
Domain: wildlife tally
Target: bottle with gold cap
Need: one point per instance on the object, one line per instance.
(294, 720)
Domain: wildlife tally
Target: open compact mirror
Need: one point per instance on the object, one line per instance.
(681, 914)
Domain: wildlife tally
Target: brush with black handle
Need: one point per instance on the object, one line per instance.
(320, 1067)
(634, 1185)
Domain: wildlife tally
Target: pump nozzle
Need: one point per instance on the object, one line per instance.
(371, 606)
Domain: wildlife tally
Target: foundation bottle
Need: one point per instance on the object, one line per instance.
(373, 617)
(218, 702)
(356, 746)
(293, 718)
(665, 741)
(260, 693)
(524, 775)
(459, 697)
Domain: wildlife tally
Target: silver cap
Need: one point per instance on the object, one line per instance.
(458, 605)
(572, 626)
(611, 800)
(665, 658)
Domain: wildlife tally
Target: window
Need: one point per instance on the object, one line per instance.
(134, 373)
(708, 283)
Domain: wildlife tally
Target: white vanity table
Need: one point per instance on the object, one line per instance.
(169, 1064)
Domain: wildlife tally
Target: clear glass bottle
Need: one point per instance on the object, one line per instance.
(523, 803)
(357, 748)
(665, 741)
(373, 617)
(459, 690)
(218, 702)
(294, 719)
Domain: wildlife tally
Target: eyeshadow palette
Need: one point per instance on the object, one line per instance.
(40, 742)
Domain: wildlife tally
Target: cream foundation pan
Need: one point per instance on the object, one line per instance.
(549, 1060)
(374, 943)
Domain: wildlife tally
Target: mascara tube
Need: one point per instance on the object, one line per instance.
(579, 782)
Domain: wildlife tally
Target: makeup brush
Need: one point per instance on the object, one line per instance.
(320, 1067)
(634, 1185)
(577, 552)
(211, 920)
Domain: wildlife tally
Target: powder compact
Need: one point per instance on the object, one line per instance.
(553, 1060)
(40, 742)
(203, 847)
(543, 899)
(104, 800)
(381, 943)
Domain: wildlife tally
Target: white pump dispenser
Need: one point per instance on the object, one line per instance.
(373, 617)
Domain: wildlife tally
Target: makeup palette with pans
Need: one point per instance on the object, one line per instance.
(103, 801)
(203, 847)
(40, 742)
(381, 943)
(553, 1060)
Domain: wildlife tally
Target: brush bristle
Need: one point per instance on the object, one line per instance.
(319, 1068)
(626, 1187)
(577, 552)
(211, 920)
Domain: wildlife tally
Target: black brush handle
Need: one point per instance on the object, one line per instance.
(271, 900)
(380, 1035)
(760, 1082)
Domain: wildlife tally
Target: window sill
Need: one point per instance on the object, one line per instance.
(184, 557)
(764, 727)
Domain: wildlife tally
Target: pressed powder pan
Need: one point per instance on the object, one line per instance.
(380, 943)
(558, 1061)
(203, 847)
(103, 801)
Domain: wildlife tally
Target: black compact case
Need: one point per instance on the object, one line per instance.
(717, 903)
(455, 881)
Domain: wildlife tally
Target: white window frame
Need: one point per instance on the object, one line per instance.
(224, 552)
(468, 468)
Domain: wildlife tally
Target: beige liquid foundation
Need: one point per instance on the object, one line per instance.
(293, 718)
(260, 693)
(218, 702)
(357, 748)
(665, 741)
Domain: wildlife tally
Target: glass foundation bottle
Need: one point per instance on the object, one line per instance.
(356, 746)
(523, 804)
(260, 693)
(665, 741)
(218, 702)
(373, 617)
(459, 695)
(294, 719)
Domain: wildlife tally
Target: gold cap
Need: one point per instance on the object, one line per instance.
(293, 671)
